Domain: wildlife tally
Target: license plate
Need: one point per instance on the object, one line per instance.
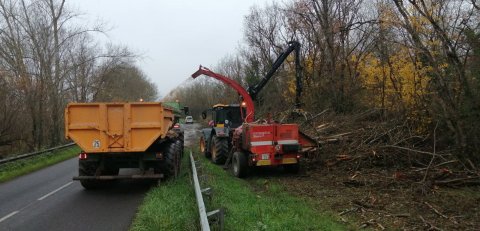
(265, 156)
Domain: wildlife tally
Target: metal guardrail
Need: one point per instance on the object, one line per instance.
(204, 215)
(23, 156)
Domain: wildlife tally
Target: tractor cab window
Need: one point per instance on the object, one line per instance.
(232, 114)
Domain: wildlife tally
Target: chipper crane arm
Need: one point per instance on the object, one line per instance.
(293, 46)
(250, 114)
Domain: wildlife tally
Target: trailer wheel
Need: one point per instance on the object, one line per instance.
(111, 171)
(170, 164)
(292, 168)
(179, 146)
(88, 169)
(239, 164)
(219, 149)
(203, 148)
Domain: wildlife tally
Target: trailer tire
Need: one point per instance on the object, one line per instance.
(170, 163)
(239, 164)
(219, 149)
(88, 169)
(203, 148)
(180, 147)
(292, 168)
(111, 171)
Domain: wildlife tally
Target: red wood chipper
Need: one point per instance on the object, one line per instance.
(254, 143)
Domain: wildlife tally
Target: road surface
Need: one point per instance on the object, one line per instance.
(192, 134)
(49, 200)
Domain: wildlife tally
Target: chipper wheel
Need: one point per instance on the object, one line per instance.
(239, 164)
(219, 149)
(88, 169)
(203, 148)
(171, 162)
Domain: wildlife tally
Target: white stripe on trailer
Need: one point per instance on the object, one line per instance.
(261, 143)
(288, 142)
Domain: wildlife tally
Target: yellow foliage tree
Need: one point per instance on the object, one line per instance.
(395, 82)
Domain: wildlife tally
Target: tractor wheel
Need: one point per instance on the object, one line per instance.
(292, 168)
(170, 163)
(239, 164)
(219, 150)
(203, 148)
(88, 169)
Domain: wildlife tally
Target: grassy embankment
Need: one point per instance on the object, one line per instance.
(21, 167)
(172, 206)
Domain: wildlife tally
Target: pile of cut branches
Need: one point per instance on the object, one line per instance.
(367, 140)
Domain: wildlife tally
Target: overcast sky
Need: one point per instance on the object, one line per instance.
(174, 36)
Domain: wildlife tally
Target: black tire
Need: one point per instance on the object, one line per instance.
(111, 172)
(88, 169)
(219, 149)
(180, 149)
(203, 148)
(239, 164)
(292, 168)
(170, 164)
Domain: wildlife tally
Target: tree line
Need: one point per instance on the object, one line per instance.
(49, 57)
(415, 60)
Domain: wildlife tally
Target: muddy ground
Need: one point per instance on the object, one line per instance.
(376, 199)
(373, 198)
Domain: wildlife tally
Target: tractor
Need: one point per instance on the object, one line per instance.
(236, 138)
(216, 140)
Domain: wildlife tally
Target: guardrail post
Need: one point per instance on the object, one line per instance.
(198, 194)
(216, 215)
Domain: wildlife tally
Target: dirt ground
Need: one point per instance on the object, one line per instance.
(374, 198)
(380, 200)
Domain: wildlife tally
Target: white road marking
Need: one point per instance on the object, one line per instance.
(54, 191)
(8, 216)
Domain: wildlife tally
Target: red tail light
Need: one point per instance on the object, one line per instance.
(83, 156)
(176, 126)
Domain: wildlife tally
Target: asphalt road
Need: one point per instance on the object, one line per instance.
(191, 134)
(49, 200)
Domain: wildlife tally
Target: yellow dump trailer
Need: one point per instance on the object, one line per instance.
(123, 135)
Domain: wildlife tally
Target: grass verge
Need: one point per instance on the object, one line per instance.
(248, 206)
(262, 205)
(170, 206)
(17, 168)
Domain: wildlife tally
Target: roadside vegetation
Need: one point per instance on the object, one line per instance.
(258, 204)
(170, 206)
(406, 71)
(21, 167)
(248, 205)
(390, 92)
(49, 56)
